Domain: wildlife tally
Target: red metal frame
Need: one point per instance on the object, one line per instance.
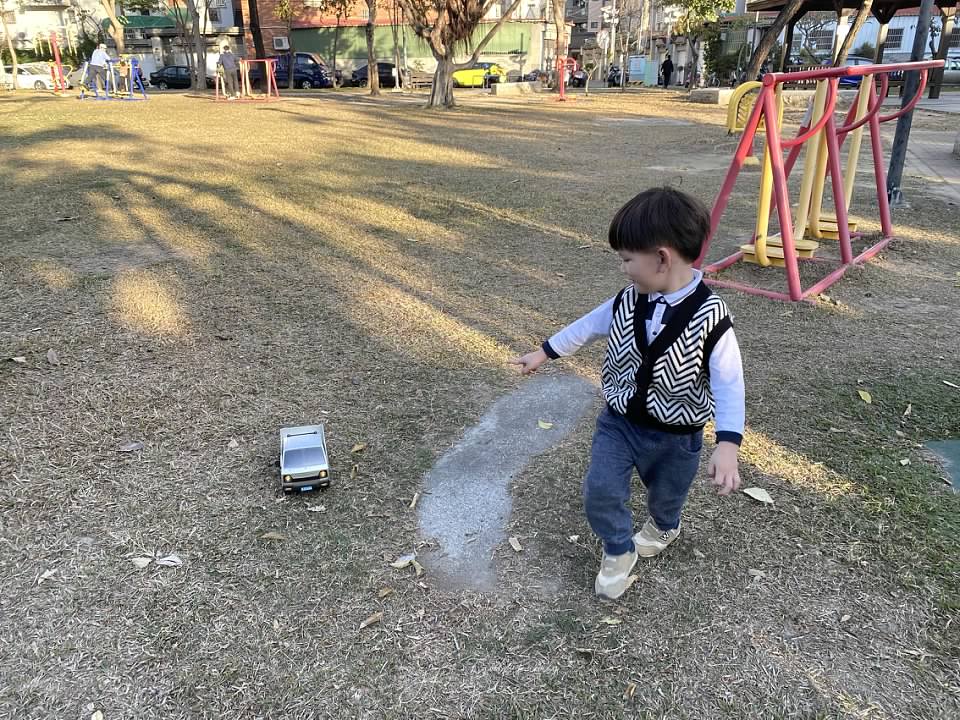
(271, 92)
(562, 64)
(766, 108)
(56, 67)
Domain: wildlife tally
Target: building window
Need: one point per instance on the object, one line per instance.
(214, 15)
(594, 25)
(894, 38)
(955, 37)
(821, 39)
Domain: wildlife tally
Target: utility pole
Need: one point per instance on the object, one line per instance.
(910, 86)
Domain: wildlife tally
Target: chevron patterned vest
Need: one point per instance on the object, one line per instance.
(664, 384)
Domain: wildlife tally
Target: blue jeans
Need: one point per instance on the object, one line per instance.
(667, 464)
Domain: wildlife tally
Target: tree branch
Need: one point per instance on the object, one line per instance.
(486, 40)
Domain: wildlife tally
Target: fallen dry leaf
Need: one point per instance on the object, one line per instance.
(130, 446)
(19, 359)
(573, 539)
(52, 357)
(629, 692)
(373, 619)
(758, 494)
(384, 591)
(900, 433)
(97, 715)
(354, 471)
(170, 561)
(610, 620)
(233, 444)
(544, 425)
(142, 562)
(836, 430)
(909, 410)
(317, 508)
(844, 618)
(273, 535)
(413, 503)
(418, 568)
(905, 462)
(757, 573)
(403, 561)
(515, 544)
(47, 574)
(359, 447)
(865, 396)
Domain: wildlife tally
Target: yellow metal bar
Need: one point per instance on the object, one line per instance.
(766, 193)
(810, 162)
(853, 153)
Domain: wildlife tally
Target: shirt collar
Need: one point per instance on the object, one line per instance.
(678, 296)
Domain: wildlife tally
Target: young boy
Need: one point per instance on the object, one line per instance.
(672, 364)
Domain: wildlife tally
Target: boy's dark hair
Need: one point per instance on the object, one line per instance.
(661, 217)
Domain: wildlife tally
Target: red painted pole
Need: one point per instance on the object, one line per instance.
(836, 183)
(744, 148)
(780, 189)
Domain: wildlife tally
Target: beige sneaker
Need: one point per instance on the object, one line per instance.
(651, 540)
(614, 576)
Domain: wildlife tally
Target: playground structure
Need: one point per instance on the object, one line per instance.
(57, 75)
(802, 228)
(125, 71)
(564, 64)
(246, 87)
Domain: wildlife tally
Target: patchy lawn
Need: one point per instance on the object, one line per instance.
(205, 274)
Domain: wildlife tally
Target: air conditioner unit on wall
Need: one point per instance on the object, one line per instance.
(281, 43)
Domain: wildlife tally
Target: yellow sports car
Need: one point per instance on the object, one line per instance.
(479, 75)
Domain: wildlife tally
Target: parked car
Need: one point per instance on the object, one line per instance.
(578, 78)
(171, 76)
(384, 72)
(480, 75)
(33, 76)
(851, 61)
(310, 71)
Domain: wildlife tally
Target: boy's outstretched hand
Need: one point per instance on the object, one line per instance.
(531, 361)
(723, 468)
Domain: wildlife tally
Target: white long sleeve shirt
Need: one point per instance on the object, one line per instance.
(726, 367)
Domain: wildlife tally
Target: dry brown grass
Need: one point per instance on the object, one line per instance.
(233, 269)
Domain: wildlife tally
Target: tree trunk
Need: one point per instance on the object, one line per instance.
(292, 61)
(373, 76)
(253, 17)
(395, 30)
(333, 58)
(863, 12)
(13, 51)
(769, 38)
(441, 94)
(199, 50)
(116, 29)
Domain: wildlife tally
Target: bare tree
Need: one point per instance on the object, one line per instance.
(253, 20)
(199, 48)
(447, 26)
(373, 77)
(10, 47)
(769, 38)
(809, 26)
(863, 12)
(116, 29)
(284, 11)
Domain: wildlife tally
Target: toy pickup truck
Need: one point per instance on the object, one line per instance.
(303, 459)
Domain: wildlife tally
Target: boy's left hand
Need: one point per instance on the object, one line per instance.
(723, 468)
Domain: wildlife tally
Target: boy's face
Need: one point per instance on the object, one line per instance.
(648, 270)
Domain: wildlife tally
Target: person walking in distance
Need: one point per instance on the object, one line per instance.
(666, 70)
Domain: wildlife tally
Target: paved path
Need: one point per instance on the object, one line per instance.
(466, 501)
